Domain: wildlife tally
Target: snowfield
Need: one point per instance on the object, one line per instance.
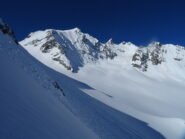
(157, 101)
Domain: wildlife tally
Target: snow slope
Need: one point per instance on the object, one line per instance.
(29, 108)
(37, 102)
(155, 96)
(151, 98)
(144, 82)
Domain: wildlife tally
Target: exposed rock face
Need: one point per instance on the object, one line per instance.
(62, 62)
(177, 59)
(153, 53)
(140, 59)
(57, 86)
(179, 55)
(50, 43)
(156, 55)
(107, 49)
(46, 47)
(108, 52)
(7, 30)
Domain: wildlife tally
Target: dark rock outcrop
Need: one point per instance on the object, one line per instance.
(7, 30)
(108, 52)
(156, 54)
(139, 59)
(153, 53)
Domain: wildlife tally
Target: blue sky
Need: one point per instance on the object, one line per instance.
(138, 21)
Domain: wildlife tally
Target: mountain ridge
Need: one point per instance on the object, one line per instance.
(73, 49)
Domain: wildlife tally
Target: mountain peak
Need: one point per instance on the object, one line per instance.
(110, 41)
(155, 43)
(76, 29)
(68, 48)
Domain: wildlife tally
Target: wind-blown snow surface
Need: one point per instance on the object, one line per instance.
(156, 100)
(37, 102)
(152, 91)
(29, 109)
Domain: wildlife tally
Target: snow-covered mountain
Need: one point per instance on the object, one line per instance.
(37, 102)
(147, 83)
(73, 49)
(70, 49)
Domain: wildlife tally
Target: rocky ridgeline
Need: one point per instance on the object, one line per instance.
(154, 53)
(7, 30)
(73, 49)
(72, 54)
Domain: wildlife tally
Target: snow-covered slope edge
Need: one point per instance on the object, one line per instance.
(29, 108)
(37, 102)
